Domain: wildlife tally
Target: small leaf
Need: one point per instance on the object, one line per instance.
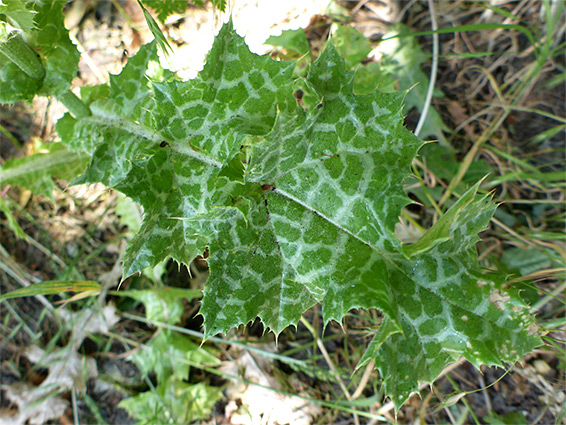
(54, 287)
(164, 304)
(48, 39)
(155, 30)
(294, 42)
(526, 261)
(164, 355)
(19, 15)
(386, 329)
(36, 172)
(173, 401)
(51, 41)
(129, 213)
(511, 418)
(351, 44)
(370, 77)
(442, 229)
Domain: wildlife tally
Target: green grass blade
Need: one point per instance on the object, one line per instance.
(54, 287)
(502, 12)
(471, 27)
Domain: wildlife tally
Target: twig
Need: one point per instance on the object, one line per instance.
(330, 363)
(528, 242)
(88, 60)
(550, 296)
(484, 392)
(358, 6)
(364, 380)
(326, 356)
(517, 93)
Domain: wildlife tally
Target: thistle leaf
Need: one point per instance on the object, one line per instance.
(298, 207)
(448, 307)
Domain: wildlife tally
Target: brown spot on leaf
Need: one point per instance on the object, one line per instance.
(498, 298)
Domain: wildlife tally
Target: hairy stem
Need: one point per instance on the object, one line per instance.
(17, 51)
(75, 105)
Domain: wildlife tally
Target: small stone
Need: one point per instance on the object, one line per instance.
(542, 367)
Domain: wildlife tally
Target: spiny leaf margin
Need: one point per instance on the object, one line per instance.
(311, 216)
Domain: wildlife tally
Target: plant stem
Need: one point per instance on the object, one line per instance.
(433, 71)
(17, 51)
(75, 105)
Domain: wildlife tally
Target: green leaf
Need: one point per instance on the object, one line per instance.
(511, 418)
(351, 44)
(293, 45)
(162, 234)
(449, 308)
(47, 38)
(442, 229)
(144, 153)
(216, 110)
(155, 30)
(54, 287)
(116, 144)
(371, 77)
(220, 5)
(18, 14)
(169, 355)
(402, 59)
(13, 46)
(164, 304)
(51, 41)
(386, 329)
(354, 48)
(166, 8)
(36, 172)
(324, 168)
(15, 84)
(164, 355)
(129, 213)
(173, 401)
(294, 42)
(298, 207)
(526, 261)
